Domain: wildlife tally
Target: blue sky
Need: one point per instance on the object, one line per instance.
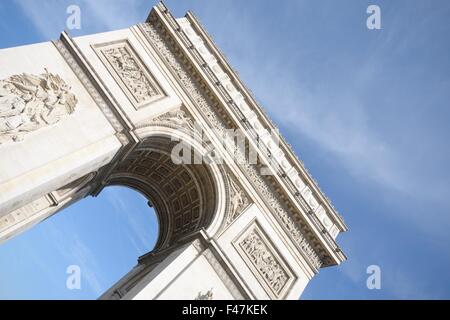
(366, 110)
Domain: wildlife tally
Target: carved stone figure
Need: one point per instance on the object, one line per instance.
(264, 261)
(29, 102)
(138, 82)
(238, 202)
(208, 295)
(177, 118)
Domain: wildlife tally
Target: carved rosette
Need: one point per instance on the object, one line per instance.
(29, 102)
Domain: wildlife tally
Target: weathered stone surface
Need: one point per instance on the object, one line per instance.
(115, 106)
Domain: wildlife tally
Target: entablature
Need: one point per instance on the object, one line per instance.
(225, 91)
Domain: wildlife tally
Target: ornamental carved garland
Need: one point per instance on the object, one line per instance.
(29, 102)
(203, 102)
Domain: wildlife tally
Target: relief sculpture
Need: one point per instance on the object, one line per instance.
(127, 68)
(238, 201)
(29, 102)
(264, 262)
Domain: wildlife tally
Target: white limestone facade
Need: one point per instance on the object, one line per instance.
(79, 114)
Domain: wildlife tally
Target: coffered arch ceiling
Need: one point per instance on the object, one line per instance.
(186, 197)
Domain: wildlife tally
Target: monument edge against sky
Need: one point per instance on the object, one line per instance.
(79, 114)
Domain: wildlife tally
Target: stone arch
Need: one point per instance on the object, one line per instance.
(27, 216)
(187, 197)
(114, 129)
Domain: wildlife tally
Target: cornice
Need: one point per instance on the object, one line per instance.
(176, 34)
(248, 95)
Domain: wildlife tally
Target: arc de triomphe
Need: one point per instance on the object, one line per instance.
(157, 108)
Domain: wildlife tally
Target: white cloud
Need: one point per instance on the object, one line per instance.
(78, 253)
(337, 120)
(335, 114)
(113, 14)
(49, 17)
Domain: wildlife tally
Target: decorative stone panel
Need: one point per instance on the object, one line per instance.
(124, 64)
(264, 261)
(299, 232)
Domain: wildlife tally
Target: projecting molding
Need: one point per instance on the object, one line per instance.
(189, 67)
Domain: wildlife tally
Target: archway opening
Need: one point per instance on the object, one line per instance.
(96, 241)
(66, 249)
(185, 195)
